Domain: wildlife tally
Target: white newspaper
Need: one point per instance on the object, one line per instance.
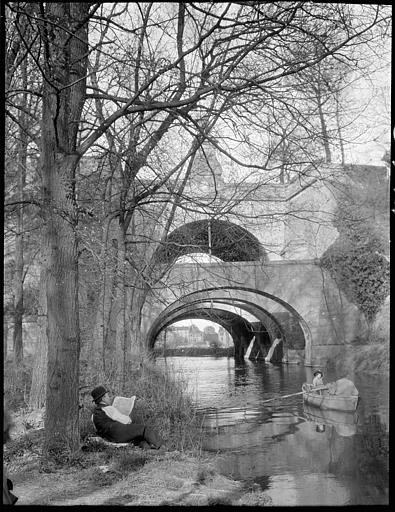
(120, 409)
(123, 404)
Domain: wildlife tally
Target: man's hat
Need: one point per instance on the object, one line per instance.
(318, 372)
(98, 392)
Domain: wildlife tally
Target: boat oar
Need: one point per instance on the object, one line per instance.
(293, 394)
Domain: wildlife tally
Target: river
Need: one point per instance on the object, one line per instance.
(298, 455)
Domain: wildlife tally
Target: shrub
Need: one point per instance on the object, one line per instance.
(165, 404)
(356, 261)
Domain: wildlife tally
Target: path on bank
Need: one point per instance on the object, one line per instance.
(171, 478)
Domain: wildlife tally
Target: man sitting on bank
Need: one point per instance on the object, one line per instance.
(116, 427)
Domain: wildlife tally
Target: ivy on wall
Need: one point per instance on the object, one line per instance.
(356, 260)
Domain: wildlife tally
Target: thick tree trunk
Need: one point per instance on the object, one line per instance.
(61, 419)
(39, 376)
(65, 53)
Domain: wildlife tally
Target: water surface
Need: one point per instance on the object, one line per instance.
(299, 455)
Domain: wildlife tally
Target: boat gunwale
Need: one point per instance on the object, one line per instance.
(319, 395)
(330, 397)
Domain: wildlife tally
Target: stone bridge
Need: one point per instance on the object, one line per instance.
(267, 282)
(258, 302)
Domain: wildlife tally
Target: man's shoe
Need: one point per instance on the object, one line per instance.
(144, 445)
(153, 437)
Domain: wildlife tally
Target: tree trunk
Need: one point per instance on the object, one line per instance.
(104, 303)
(61, 420)
(39, 376)
(19, 241)
(120, 337)
(18, 291)
(137, 301)
(324, 132)
(65, 62)
(339, 132)
(5, 337)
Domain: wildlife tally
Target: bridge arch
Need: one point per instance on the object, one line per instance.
(238, 327)
(222, 239)
(242, 330)
(261, 305)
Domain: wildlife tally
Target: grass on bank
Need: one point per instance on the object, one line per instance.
(162, 402)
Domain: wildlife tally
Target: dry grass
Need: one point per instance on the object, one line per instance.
(162, 402)
(171, 478)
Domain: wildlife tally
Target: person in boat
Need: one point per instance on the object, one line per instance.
(318, 378)
(116, 427)
(318, 381)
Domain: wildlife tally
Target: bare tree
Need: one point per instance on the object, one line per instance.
(19, 110)
(166, 67)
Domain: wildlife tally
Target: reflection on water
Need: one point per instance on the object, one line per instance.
(345, 423)
(298, 454)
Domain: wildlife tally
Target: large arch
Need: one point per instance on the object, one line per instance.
(224, 240)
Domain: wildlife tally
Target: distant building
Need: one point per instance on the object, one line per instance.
(224, 338)
(182, 336)
(196, 336)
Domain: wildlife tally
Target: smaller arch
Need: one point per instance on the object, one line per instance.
(239, 328)
(206, 295)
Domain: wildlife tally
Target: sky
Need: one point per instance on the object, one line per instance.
(199, 323)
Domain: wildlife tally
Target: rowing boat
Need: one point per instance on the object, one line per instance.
(325, 400)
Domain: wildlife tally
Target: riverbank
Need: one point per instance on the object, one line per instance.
(123, 476)
(195, 352)
(372, 358)
(166, 479)
(109, 475)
